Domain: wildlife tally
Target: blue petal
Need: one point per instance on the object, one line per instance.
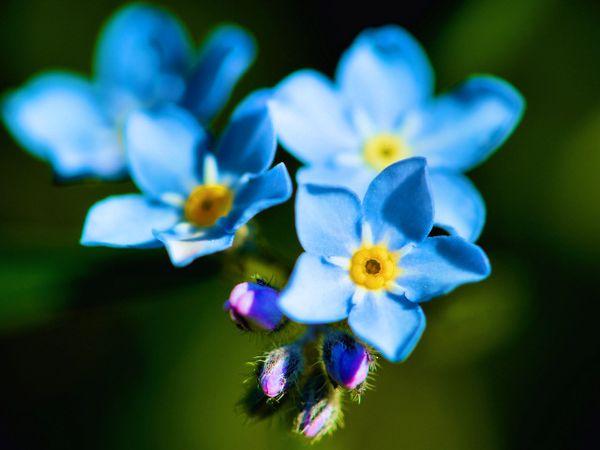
(385, 72)
(224, 58)
(461, 129)
(57, 117)
(440, 264)
(328, 220)
(144, 51)
(398, 204)
(163, 147)
(317, 292)
(389, 323)
(355, 179)
(459, 208)
(311, 118)
(248, 143)
(183, 248)
(126, 221)
(257, 194)
(256, 100)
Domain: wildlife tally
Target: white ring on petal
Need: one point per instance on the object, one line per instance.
(340, 261)
(211, 170)
(367, 234)
(173, 199)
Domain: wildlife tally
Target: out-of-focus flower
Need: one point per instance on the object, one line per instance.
(280, 370)
(372, 262)
(193, 200)
(320, 409)
(347, 361)
(381, 110)
(254, 306)
(143, 58)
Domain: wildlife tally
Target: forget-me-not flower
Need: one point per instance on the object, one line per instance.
(193, 200)
(144, 58)
(381, 109)
(372, 261)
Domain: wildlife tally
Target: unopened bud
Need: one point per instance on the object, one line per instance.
(321, 410)
(252, 306)
(280, 370)
(347, 362)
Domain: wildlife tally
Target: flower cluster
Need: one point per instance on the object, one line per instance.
(384, 164)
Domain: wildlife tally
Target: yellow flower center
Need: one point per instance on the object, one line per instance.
(374, 267)
(384, 149)
(207, 203)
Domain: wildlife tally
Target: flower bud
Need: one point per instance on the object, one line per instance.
(254, 306)
(347, 362)
(281, 370)
(320, 411)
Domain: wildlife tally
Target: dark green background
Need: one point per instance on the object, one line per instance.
(109, 349)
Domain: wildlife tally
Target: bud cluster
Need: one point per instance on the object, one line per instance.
(309, 372)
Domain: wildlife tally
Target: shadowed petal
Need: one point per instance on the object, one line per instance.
(398, 204)
(257, 194)
(224, 58)
(183, 248)
(458, 205)
(144, 51)
(248, 143)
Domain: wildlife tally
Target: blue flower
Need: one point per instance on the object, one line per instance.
(373, 262)
(144, 58)
(380, 110)
(193, 200)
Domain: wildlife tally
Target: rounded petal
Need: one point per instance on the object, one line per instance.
(353, 178)
(145, 51)
(57, 116)
(398, 204)
(248, 143)
(183, 248)
(440, 264)
(257, 194)
(391, 324)
(126, 221)
(311, 119)
(459, 207)
(385, 72)
(224, 58)
(317, 292)
(163, 147)
(328, 220)
(256, 100)
(462, 128)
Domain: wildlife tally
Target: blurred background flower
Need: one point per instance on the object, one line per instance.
(113, 349)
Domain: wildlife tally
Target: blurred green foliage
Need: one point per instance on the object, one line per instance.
(108, 349)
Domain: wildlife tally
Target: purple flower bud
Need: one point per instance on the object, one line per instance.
(347, 362)
(281, 370)
(253, 305)
(321, 411)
